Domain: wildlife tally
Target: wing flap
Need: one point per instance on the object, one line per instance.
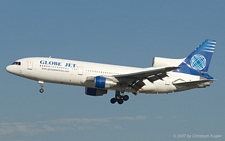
(137, 85)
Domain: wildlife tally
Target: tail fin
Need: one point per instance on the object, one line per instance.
(197, 63)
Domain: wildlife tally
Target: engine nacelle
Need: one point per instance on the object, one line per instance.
(166, 62)
(102, 82)
(94, 91)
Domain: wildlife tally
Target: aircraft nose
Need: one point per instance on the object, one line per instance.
(9, 68)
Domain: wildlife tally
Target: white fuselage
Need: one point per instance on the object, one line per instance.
(73, 72)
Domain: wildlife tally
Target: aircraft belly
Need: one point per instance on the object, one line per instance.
(52, 76)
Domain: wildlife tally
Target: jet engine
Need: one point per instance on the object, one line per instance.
(94, 91)
(102, 82)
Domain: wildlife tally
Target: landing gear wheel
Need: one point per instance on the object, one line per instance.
(113, 100)
(119, 98)
(41, 90)
(125, 97)
(120, 101)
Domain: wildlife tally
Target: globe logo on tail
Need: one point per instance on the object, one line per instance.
(198, 62)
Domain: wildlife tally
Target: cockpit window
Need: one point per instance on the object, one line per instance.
(16, 63)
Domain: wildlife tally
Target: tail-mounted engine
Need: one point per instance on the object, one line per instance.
(164, 62)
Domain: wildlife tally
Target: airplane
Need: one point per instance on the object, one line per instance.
(166, 75)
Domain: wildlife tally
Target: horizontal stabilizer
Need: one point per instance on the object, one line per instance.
(191, 83)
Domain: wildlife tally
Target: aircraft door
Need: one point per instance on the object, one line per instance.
(80, 70)
(81, 75)
(167, 81)
(168, 84)
(29, 65)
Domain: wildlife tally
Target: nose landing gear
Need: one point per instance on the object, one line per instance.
(42, 85)
(119, 98)
(41, 90)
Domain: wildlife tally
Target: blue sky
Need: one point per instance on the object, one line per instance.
(116, 32)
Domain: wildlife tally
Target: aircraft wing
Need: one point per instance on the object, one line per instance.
(135, 80)
(146, 74)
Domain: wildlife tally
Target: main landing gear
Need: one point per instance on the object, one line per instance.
(119, 98)
(42, 85)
